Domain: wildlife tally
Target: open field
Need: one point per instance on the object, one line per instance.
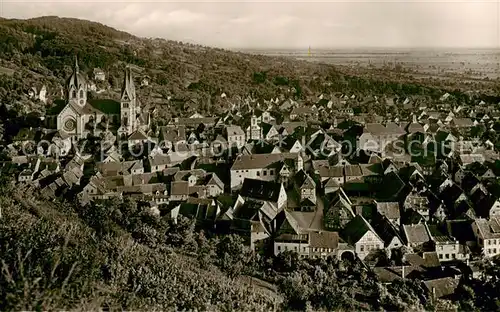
(473, 64)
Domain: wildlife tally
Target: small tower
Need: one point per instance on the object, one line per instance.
(77, 86)
(128, 105)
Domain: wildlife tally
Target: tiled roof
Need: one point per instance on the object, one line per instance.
(234, 130)
(356, 229)
(260, 190)
(259, 161)
(488, 228)
(324, 239)
(380, 129)
(442, 287)
(389, 209)
(416, 233)
(138, 135)
(179, 188)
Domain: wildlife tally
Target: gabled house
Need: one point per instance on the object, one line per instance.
(203, 211)
(387, 231)
(447, 247)
(338, 210)
(159, 162)
(235, 136)
(264, 191)
(305, 189)
(290, 145)
(289, 236)
(376, 137)
(253, 220)
(269, 132)
(360, 234)
(419, 203)
(266, 167)
(487, 233)
(326, 172)
(389, 210)
(442, 288)
(416, 235)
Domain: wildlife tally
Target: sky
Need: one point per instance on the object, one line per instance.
(289, 24)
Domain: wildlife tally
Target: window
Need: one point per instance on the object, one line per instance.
(447, 256)
(73, 94)
(440, 256)
(125, 105)
(265, 172)
(362, 248)
(279, 247)
(81, 93)
(258, 173)
(271, 172)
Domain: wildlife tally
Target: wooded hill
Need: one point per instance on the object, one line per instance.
(41, 51)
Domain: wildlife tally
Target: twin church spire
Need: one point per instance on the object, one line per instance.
(77, 85)
(79, 115)
(128, 87)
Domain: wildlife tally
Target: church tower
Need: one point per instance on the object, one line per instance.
(128, 104)
(77, 86)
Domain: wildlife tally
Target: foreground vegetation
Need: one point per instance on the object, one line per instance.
(57, 255)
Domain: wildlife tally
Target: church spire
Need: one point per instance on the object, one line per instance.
(128, 88)
(77, 68)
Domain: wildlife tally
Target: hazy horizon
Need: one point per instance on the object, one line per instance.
(254, 25)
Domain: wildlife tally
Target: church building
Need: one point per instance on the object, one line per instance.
(82, 116)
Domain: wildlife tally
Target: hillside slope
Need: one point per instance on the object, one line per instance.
(41, 51)
(55, 256)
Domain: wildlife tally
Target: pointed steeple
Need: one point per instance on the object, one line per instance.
(131, 82)
(127, 89)
(76, 68)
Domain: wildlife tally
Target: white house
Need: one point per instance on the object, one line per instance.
(360, 234)
(376, 136)
(289, 236)
(159, 162)
(488, 235)
(447, 247)
(235, 136)
(264, 167)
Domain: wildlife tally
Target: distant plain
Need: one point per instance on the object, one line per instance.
(469, 64)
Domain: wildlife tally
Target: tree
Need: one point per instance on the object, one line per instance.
(233, 255)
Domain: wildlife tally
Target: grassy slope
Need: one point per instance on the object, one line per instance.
(52, 259)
